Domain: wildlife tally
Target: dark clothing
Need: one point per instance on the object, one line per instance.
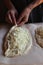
(3, 11)
(36, 14)
(21, 4)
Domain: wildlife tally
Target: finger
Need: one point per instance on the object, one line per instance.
(20, 24)
(20, 18)
(13, 18)
(8, 18)
(23, 22)
(23, 19)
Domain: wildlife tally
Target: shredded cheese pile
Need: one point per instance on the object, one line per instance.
(18, 40)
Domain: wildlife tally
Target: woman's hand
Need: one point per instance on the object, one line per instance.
(11, 16)
(23, 18)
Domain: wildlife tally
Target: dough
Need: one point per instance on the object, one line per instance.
(17, 42)
(39, 36)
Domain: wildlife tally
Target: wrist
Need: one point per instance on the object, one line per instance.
(30, 7)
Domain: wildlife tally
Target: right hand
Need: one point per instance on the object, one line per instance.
(11, 16)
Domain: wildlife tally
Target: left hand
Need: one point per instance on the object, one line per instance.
(23, 18)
